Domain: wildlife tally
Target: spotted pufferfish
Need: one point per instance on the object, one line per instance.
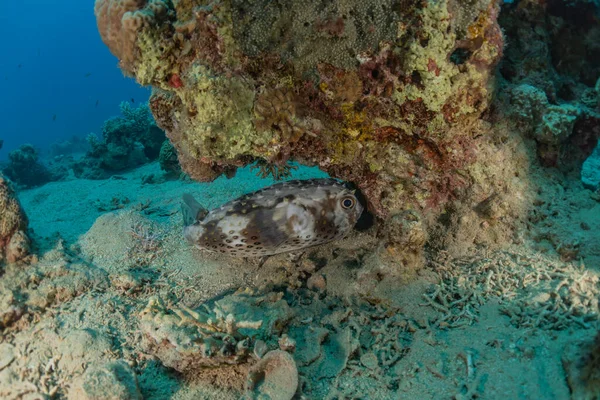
(286, 217)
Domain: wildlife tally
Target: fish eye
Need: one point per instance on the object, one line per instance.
(348, 203)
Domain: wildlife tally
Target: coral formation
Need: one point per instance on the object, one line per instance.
(556, 85)
(389, 96)
(127, 141)
(355, 84)
(119, 23)
(25, 169)
(14, 243)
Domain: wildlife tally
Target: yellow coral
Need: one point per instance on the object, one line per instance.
(431, 61)
(222, 126)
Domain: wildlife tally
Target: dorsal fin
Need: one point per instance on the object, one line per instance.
(191, 210)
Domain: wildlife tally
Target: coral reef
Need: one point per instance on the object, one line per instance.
(14, 243)
(550, 70)
(127, 141)
(590, 171)
(25, 169)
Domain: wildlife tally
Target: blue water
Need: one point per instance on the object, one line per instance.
(49, 48)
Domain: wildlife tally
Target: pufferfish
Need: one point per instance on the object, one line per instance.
(288, 216)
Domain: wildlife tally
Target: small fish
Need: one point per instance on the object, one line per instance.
(19, 66)
(54, 117)
(97, 102)
(287, 216)
(88, 75)
(132, 100)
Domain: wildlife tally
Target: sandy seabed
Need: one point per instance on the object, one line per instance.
(118, 306)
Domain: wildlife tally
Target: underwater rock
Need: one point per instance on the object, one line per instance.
(120, 22)
(187, 340)
(590, 171)
(550, 125)
(14, 243)
(316, 282)
(400, 253)
(274, 377)
(112, 381)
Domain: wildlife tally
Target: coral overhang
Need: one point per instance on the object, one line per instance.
(371, 92)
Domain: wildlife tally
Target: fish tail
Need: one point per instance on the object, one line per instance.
(191, 210)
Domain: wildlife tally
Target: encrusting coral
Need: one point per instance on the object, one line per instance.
(14, 243)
